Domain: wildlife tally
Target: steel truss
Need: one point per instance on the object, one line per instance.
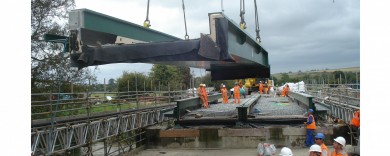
(49, 141)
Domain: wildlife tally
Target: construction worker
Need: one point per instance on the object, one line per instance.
(285, 151)
(319, 139)
(287, 89)
(224, 94)
(236, 92)
(261, 87)
(205, 96)
(355, 122)
(338, 145)
(200, 95)
(315, 150)
(283, 92)
(310, 127)
(220, 87)
(265, 88)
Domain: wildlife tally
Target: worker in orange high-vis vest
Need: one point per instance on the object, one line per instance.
(338, 145)
(261, 87)
(355, 122)
(206, 101)
(224, 94)
(310, 127)
(236, 92)
(265, 88)
(319, 139)
(283, 92)
(200, 95)
(287, 89)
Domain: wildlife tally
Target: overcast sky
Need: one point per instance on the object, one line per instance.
(298, 35)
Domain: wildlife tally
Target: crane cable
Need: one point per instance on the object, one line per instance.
(222, 6)
(258, 39)
(242, 12)
(147, 22)
(186, 37)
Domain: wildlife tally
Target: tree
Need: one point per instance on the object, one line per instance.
(49, 66)
(184, 75)
(285, 78)
(162, 74)
(111, 81)
(175, 76)
(337, 74)
(131, 82)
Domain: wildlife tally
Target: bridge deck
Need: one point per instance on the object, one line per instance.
(266, 106)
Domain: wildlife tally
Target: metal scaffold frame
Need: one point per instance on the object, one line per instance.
(341, 100)
(65, 138)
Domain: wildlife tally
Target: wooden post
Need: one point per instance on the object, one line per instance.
(136, 91)
(169, 94)
(88, 103)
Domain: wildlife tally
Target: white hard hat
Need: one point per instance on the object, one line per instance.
(315, 148)
(204, 85)
(340, 140)
(223, 86)
(286, 152)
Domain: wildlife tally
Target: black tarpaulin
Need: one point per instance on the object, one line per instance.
(203, 49)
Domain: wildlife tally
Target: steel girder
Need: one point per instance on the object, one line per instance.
(49, 141)
(306, 99)
(191, 104)
(228, 52)
(91, 20)
(246, 107)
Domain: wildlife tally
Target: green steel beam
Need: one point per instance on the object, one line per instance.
(245, 46)
(306, 99)
(248, 54)
(245, 108)
(191, 103)
(88, 19)
(230, 53)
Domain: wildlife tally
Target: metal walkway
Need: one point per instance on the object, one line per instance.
(98, 39)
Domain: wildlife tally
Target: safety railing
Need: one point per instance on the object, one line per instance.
(341, 99)
(47, 105)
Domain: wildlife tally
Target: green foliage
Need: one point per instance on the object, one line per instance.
(177, 77)
(163, 74)
(49, 68)
(185, 76)
(132, 82)
(285, 78)
(111, 81)
(320, 77)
